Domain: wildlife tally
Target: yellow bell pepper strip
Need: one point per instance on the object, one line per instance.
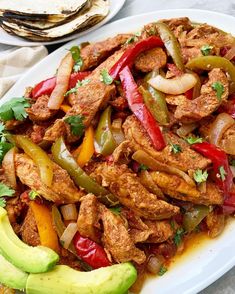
(103, 134)
(87, 147)
(60, 228)
(43, 218)
(65, 107)
(39, 156)
(171, 43)
(210, 62)
(65, 159)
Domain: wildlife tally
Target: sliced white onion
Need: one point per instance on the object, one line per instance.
(8, 165)
(222, 122)
(68, 235)
(69, 212)
(184, 130)
(232, 170)
(117, 131)
(231, 52)
(62, 82)
(175, 86)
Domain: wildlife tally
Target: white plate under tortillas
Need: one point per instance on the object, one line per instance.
(114, 7)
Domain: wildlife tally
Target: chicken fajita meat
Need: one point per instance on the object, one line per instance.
(126, 154)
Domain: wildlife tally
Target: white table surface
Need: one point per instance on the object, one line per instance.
(226, 284)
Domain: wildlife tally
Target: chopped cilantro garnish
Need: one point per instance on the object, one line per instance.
(206, 49)
(79, 84)
(4, 145)
(219, 88)
(75, 51)
(115, 210)
(76, 124)
(162, 270)
(175, 148)
(178, 236)
(105, 77)
(143, 167)
(222, 173)
(200, 176)
(14, 109)
(2, 202)
(5, 191)
(33, 195)
(133, 38)
(172, 223)
(193, 140)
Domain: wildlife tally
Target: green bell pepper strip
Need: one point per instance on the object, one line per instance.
(60, 228)
(210, 62)
(64, 158)
(193, 217)
(39, 156)
(171, 43)
(103, 135)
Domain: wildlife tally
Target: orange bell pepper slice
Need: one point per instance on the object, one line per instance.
(65, 107)
(43, 218)
(87, 148)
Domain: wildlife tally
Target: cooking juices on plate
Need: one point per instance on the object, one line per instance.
(112, 165)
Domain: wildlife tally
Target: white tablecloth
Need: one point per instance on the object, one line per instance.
(226, 284)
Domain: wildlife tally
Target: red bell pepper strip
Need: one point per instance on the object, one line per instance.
(130, 54)
(91, 252)
(189, 94)
(47, 86)
(228, 107)
(137, 106)
(219, 159)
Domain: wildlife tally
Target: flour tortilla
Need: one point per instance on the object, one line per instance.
(95, 14)
(51, 10)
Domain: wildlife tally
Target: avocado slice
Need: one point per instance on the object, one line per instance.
(115, 279)
(29, 259)
(11, 276)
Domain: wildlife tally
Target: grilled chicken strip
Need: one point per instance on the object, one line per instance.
(194, 110)
(117, 240)
(62, 190)
(176, 187)
(123, 183)
(186, 160)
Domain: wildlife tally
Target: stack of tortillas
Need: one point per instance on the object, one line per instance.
(46, 20)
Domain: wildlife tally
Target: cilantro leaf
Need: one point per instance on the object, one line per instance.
(116, 210)
(4, 148)
(175, 148)
(105, 77)
(178, 236)
(193, 140)
(143, 167)
(2, 128)
(222, 173)
(76, 54)
(2, 202)
(6, 191)
(200, 176)
(162, 270)
(206, 49)
(14, 109)
(219, 88)
(133, 38)
(79, 84)
(76, 124)
(33, 195)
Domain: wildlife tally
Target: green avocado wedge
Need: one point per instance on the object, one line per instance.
(29, 259)
(11, 276)
(115, 279)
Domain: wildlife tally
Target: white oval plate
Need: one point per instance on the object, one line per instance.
(215, 257)
(8, 39)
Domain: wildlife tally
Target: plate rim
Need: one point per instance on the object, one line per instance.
(213, 276)
(115, 7)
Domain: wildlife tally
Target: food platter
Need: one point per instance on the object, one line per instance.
(8, 39)
(212, 259)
